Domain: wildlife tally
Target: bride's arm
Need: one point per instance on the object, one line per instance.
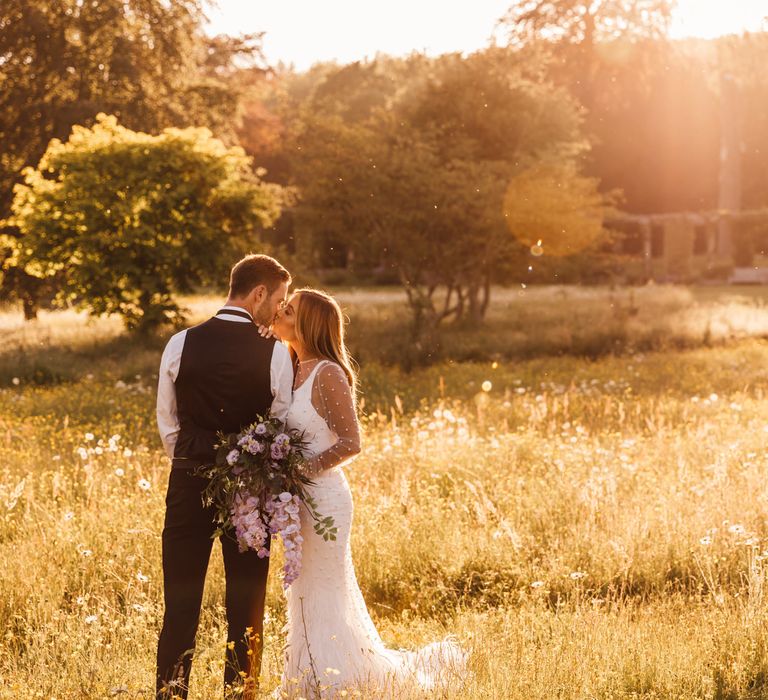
(333, 400)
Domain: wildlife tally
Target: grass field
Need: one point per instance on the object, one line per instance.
(588, 524)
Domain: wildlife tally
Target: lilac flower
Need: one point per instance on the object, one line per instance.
(260, 429)
(276, 452)
(249, 526)
(250, 444)
(232, 457)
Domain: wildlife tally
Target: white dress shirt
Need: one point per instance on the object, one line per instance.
(280, 372)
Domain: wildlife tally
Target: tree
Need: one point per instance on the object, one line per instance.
(587, 22)
(146, 61)
(127, 219)
(418, 185)
(382, 189)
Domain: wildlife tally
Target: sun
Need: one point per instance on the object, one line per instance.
(712, 18)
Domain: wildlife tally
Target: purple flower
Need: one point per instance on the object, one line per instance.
(260, 429)
(232, 457)
(276, 452)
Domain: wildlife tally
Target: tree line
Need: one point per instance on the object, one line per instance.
(444, 175)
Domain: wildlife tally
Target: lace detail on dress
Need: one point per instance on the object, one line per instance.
(332, 399)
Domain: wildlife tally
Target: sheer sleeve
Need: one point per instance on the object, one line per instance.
(333, 400)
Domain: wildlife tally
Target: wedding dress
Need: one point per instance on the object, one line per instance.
(332, 643)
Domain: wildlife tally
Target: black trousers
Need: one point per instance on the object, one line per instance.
(187, 544)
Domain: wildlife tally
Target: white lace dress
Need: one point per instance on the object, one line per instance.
(332, 643)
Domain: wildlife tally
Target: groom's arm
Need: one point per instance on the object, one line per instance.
(167, 417)
(281, 376)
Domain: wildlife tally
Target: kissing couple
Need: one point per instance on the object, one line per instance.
(219, 377)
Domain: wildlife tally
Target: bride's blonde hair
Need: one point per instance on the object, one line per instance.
(320, 329)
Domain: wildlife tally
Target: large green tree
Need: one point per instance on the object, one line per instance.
(126, 219)
(147, 61)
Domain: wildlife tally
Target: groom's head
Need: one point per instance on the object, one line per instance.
(259, 284)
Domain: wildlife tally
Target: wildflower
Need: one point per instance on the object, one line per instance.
(138, 607)
(15, 381)
(119, 472)
(713, 397)
(86, 553)
(144, 485)
(89, 437)
(486, 386)
(82, 453)
(69, 515)
(537, 584)
(81, 600)
(707, 540)
(577, 575)
(127, 452)
(736, 529)
(142, 577)
(91, 619)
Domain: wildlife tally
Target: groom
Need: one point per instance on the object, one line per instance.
(217, 376)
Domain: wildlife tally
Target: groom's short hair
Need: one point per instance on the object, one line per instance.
(253, 270)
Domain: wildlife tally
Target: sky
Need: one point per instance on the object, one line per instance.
(303, 32)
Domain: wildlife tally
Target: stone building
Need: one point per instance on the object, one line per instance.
(689, 247)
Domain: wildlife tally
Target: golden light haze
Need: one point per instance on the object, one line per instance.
(303, 32)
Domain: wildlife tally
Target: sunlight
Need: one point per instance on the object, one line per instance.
(694, 18)
(304, 32)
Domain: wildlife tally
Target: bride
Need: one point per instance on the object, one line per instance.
(332, 643)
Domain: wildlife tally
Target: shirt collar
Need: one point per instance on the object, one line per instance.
(236, 308)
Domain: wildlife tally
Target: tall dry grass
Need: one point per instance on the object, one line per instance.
(587, 529)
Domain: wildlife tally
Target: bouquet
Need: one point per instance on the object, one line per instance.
(257, 487)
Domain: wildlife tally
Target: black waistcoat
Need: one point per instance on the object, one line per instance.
(223, 384)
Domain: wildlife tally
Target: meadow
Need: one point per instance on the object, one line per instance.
(577, 491)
